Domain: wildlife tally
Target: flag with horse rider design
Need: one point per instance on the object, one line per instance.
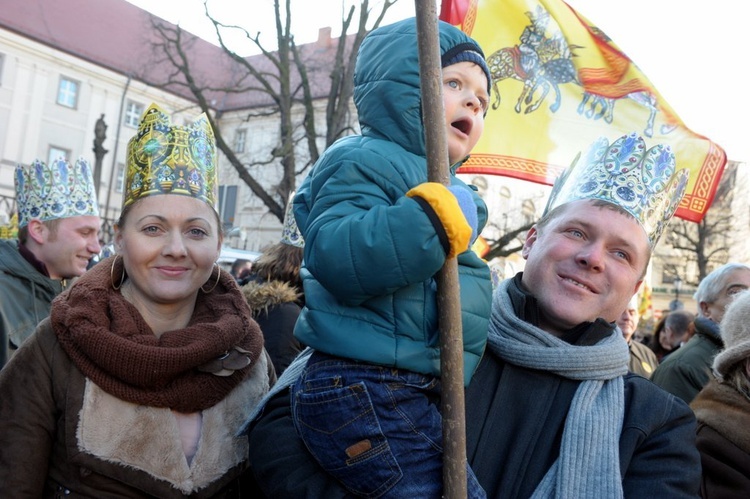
(559, 83)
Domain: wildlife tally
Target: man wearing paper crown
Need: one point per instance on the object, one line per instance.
(58, 220)
(552, 410)
(152, 358)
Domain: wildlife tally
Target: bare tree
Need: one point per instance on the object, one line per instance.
(705, 244)
(509, 243)
(275, 83)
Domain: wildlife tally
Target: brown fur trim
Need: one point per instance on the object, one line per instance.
(725, 410)
(263, 295)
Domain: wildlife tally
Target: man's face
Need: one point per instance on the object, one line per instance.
(628, 322)
(465, 99)
(736, 281)
(585, 263)
(66, 251)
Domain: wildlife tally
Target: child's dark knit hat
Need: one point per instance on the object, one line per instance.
(467, 52)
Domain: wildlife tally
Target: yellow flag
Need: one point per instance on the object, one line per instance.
(645, 307)
(559, 83)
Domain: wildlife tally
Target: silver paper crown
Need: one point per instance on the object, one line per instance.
(290, 233)
(641, 181)
(59, 190)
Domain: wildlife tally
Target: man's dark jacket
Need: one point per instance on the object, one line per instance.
(514, 422)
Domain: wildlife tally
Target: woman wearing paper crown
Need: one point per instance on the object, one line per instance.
(137, 383)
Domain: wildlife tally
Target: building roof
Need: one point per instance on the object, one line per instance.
(119, 36)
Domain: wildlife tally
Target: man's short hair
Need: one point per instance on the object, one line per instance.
(554, 213)
(679, 320)
(713, 284)
(52, 225)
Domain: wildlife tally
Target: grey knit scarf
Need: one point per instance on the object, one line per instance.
(589, 461)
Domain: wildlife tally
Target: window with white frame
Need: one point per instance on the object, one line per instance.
(120, 181)
(56, 153)
(227, 204)
(239, 140)
(67, 92)
(133, 113)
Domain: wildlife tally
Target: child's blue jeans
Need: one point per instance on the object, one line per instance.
(375, 429)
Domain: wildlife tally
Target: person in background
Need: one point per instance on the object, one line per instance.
(274, 292)
(138, 382)
(672, 331)
(241, 269)
(58, 220)
(655, 341)
(722, 408)
(642, 359)
(552, 410)
(687, 371)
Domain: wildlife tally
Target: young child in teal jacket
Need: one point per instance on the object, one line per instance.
(376, 235)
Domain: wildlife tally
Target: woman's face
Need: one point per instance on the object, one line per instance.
(169, 244)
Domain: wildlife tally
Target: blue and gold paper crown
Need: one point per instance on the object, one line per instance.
(641, 181)
(58, 190)
(166, 159)
(290, 233)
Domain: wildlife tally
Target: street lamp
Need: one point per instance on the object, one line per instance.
(676, 303)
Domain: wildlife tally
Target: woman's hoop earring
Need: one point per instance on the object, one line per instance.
(218, 275)
(112, 274)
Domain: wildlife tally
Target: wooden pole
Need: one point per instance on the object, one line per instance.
(449, 305)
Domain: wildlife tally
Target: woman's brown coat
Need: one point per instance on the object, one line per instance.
(75, 437)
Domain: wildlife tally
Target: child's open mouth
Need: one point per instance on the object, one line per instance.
(463, 125)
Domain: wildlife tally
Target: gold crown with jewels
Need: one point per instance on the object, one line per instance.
(58, 190)
(166, 159)
(625, 173)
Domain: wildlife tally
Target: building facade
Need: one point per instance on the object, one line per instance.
(60, 74)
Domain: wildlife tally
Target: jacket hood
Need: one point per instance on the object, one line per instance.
(387, 86)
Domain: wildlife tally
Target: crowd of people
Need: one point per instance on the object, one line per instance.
(314, 371)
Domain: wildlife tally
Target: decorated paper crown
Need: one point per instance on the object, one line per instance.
(58, 190)
(640, 181)
(290, 233)
(166, 159)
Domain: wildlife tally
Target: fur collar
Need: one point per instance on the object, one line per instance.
(262, 295)
(725, 410)
(148, 439)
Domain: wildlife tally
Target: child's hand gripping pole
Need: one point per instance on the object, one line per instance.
(455, 211)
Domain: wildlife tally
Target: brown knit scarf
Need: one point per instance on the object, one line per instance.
(110, 343)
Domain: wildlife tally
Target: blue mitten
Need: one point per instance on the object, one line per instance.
(468, 207)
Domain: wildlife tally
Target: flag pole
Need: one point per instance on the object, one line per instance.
(449, 304)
